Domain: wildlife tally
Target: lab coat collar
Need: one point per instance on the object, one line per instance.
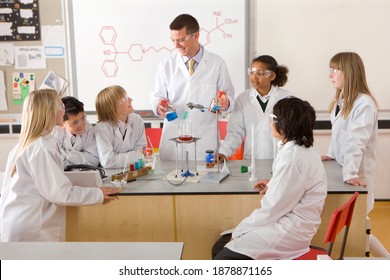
(197, 57)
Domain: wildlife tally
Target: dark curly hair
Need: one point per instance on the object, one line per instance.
(281, 71)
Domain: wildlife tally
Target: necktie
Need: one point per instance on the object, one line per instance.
(337, 109)
(191, 63)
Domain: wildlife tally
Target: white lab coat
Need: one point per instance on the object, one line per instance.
(173, 82)
(32, 203)
(116, 151)
(247, 112)
(353, 143)
(290, 212)
(83, 150)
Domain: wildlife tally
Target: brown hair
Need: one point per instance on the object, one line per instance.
(355, 82)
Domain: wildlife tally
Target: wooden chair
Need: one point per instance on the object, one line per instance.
(341, 218)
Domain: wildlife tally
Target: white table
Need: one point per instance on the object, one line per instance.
(91, 250)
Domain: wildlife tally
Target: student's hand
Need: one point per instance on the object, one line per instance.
(356, 182)
(325, 157)
(108, 191)
(162, 107)
(261, 186)
(221, 157)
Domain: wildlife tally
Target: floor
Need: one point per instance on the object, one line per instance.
(380, 222)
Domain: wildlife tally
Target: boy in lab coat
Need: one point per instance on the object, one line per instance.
(76, 136)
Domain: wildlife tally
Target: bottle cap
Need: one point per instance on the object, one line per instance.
(209, 151)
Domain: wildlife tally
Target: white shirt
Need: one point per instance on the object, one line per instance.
(354, 142)
(32, 203)
(117, 149)
(82, 151)
(247, 111)
(173, 82)
(290, 211)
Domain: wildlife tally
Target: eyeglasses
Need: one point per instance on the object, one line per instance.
(273, 118)
(333, 71)
(259, 73)
(182, 40)
(78, 122)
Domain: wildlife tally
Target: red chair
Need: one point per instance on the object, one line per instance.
(341, 218)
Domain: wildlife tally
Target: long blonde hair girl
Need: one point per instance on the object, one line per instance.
(355, 82)
(38, 118)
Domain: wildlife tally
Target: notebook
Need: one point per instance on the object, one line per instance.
(85, 178)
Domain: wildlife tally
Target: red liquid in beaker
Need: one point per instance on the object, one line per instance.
(185, 138)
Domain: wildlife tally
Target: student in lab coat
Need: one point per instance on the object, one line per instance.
(76, 135)
(253, 107)
(354, 118)
(290, 212)
(120, 133)
(175, 84)
(35, 189)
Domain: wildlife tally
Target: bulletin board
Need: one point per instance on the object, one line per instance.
(122, 42)
(19, 20)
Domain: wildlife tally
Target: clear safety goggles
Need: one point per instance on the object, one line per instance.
(259, 73)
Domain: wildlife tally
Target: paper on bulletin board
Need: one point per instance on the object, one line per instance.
(22, 85)
(53, 38)
(54, 81)
(7, 52)
(32, 57)
(3, 99)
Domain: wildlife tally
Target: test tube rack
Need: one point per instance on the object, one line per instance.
(130, 175)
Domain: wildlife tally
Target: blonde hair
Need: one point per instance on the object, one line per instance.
(107, 103)
(38, 118)
(355, 82)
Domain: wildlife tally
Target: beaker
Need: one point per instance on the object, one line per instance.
(185, 131)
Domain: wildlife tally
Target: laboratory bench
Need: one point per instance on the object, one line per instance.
(151, 209)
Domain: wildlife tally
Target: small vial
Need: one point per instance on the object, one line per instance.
(210, 160)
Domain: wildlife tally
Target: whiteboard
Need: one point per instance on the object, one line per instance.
(305, 34)
(122, 42)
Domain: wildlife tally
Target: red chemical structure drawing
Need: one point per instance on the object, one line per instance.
(137, 51)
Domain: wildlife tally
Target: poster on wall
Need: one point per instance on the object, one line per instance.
(19, 20)
(22, 84)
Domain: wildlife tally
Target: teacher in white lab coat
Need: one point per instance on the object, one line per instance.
(253, 107)
(190, 74)
(35, 189)
(290, 212)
